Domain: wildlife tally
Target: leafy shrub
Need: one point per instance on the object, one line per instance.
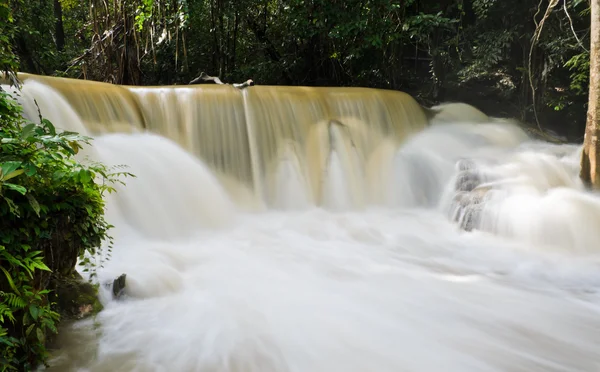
(51, 215)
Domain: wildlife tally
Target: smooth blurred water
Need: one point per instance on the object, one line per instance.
(391, 283)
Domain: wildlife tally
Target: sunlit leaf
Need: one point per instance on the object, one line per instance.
(7, 169)
(11, 186)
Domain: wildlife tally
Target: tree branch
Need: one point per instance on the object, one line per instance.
(573, 28)
(536, 37)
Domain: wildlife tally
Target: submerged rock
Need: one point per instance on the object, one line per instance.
(471, 217)
(467, 180)
(469, 207)
(465, 165)
(470, 195)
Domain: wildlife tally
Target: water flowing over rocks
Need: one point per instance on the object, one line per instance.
(257, 237)
(471, 190)
(488, 195)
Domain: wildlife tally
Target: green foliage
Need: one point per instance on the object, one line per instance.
(435, 50)
(30, 35)
(8, 61)
(51, 214)
(579, 65)
(144, 13)
(488, 52)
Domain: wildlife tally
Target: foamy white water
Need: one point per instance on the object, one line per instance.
(398, 287)
(466, 247)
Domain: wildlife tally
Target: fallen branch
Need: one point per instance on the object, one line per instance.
(10, 78)
(205, 78)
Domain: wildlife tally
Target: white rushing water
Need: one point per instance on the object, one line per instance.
(467, 248)
(395, 286)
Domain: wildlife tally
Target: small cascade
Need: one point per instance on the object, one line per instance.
(343, 185)
(172, 195)
(533, 196)
(289, 189)
(240, 134)
(34, 97)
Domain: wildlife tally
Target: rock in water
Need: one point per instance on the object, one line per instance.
(469, 195)
(75, 298)
(467, 180)
(118, 287)
(465, 165)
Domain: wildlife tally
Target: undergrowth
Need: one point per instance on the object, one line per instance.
(51, 216)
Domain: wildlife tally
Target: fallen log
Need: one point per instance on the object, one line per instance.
(205, 78)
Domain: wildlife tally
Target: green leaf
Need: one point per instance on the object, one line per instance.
(40, 335)
(40, 265)
(13, 174)
(85, 176)
(67, 148)
(29, 329)
(49, 127)
(58, 175)
(33, 203)
(17, 188)
(27, 131)
(8, 168)
(75, 146)
(30, 169)
(10, 280)
(34, 311)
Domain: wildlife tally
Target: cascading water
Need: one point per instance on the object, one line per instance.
(240, 135)
(296, 229)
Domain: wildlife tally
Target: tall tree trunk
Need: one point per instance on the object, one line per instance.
(213, 27)
(590, 158)
(235, 37)
(58, 24)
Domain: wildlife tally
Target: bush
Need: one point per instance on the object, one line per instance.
(51, 215)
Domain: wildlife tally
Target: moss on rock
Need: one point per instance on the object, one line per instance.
(74, 297)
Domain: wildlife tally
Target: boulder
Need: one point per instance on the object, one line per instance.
(74, 297)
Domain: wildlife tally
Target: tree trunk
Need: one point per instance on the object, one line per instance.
(234, 41)
(590, 158)
(59, 28)
(213, 27)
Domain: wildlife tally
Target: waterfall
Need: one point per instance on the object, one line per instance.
(242, 135)
(296, 229)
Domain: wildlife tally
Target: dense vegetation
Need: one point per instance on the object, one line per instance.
(484, 52)
(50, 213)
(51, 208)
(51, 216)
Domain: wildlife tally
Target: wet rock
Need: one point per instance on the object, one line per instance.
(468, 180)
(470, 195)
(465, 165)
(75, 298)
(118, 286)
(471, 217)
